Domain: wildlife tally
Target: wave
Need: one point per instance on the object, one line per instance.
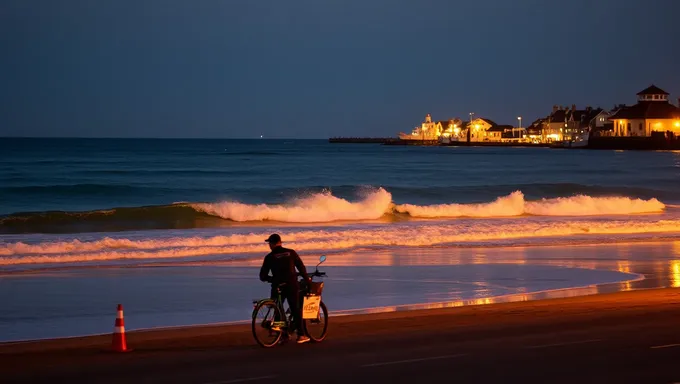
(532, 191)
(487, 232)
(316, 208)
(322, 207)
(516, 205)
(175, 216)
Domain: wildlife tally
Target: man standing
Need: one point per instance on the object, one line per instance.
(282, 263)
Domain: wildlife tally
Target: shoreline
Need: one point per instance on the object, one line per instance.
(19, 269)
(544, 295)
(531, 342)
(341, 327)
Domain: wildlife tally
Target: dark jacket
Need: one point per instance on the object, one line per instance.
(282, 262)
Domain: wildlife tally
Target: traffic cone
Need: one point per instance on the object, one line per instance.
(119, 344)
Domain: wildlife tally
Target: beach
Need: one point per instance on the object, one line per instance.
(174, 230)
(70, 301)
(150, 156)
(555, 340)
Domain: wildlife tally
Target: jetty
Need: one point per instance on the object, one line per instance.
(643, 143)
(363, 140)
(495, 144)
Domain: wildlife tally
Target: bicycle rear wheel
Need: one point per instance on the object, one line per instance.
(317, 329)
(264, 316)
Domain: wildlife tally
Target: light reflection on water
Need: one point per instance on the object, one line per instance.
(573, 292)
(358, 282)
(658, 262)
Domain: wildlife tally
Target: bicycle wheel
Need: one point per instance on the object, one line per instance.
(264, 315)
(316, 329)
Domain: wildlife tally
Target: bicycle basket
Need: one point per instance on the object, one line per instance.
(315, 288)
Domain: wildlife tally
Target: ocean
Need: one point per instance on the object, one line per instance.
(91, 200)
(69, 207)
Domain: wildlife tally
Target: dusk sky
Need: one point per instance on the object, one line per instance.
(315, 69)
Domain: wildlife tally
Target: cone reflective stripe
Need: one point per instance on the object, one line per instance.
(119, 344)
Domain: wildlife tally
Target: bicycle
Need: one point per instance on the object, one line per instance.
(314, 312)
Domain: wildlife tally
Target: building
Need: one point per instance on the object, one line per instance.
(496, 132)
(601, 120)
(580, 121)
(652, 113)
(476, 130)
(428, 130)
(554, 124)
(452, 130)
(535, 131)
(565, 123)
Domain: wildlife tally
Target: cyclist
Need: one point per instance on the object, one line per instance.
(282, 263)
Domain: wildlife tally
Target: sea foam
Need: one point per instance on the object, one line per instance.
(488, 232)
(315, 208)
(516, 205)
(324, 207)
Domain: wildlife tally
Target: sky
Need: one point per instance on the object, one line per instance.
(319, 69)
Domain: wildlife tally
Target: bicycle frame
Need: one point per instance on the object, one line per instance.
(284, 327)
(283, 324)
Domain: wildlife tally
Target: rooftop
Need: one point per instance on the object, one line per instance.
(652, 90)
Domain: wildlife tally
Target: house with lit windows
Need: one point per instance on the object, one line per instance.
(477, 129)
(428, 130)
(652, 113)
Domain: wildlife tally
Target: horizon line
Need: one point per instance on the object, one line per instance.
(160, 138)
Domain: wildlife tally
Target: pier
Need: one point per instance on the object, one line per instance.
(363, 140)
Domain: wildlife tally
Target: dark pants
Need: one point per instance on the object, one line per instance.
(291, 293)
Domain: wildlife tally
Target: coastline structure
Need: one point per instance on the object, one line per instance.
(653, 123)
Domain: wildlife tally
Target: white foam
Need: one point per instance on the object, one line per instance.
(324, 207)
(316, 208)
(484, 231)
(516, 205)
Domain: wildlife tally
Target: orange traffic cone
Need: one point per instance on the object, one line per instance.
(119, 344)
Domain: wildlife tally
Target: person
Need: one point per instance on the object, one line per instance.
(282, 263)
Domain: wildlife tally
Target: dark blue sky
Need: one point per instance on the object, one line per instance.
(314, 69)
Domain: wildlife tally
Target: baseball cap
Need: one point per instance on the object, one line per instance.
(273, 238)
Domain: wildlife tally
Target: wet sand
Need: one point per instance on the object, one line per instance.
(502, 332)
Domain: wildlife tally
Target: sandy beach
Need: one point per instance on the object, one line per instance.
(67, 302)
(226, 352)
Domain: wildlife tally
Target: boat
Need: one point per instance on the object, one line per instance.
(578, 141)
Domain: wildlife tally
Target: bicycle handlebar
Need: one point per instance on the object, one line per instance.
(315, 273)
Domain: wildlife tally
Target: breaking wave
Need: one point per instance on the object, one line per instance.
(515, 205)
(323, 207)
(487, 232)
(316, 208)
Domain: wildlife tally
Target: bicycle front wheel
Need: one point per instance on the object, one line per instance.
(265, 330)
(317, 328)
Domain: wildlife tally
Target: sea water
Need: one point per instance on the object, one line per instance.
(74, 204)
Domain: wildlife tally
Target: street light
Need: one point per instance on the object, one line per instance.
(520, 126)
